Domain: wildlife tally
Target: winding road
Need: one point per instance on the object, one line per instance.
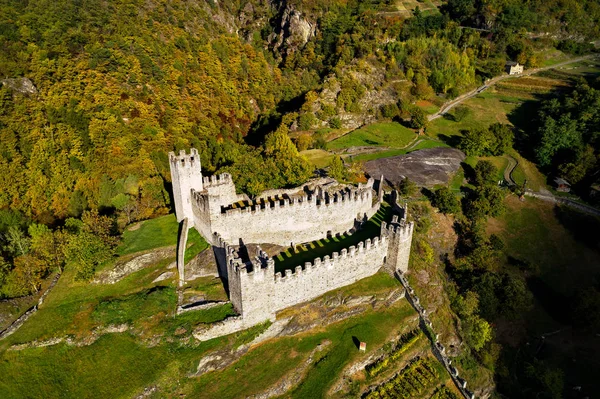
(489, 83)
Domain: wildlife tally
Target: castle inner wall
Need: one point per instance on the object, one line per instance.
(293, 222)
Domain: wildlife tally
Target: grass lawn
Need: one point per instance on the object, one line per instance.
(527, 170)
(195, 244)
(319, 158)
(532, 231)
(149, 234)
(390, 134)
(325, 246)
(489, 107)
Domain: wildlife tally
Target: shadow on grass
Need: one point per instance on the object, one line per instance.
(452, 141)
(291, 258)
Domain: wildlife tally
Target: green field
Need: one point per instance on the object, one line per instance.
(319, 158)
(389, 134)
(149, 234)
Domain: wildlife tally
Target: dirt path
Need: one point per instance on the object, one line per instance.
(512, 164)
(453, 103)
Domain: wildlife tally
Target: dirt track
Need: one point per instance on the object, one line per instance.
(453, 103)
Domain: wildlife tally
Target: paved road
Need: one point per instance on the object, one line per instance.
(453, 103)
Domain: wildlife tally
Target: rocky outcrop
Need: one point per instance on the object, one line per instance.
(293, 32)
(424, 167)
(124, 269)
(22, 86)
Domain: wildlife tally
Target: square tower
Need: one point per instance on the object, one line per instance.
(186, 175)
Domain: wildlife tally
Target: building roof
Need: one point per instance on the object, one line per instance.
(511, 63)
(561, 182)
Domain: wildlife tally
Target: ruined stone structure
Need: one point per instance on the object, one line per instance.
(225, 218)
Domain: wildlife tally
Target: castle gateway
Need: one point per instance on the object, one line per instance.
(282, 217)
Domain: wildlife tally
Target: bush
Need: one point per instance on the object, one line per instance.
(446, 201)
(335, 123)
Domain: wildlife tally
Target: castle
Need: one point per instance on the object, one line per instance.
(282, 217)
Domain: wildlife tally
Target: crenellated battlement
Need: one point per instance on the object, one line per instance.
(397, 229)
(342, 198)
(327, 263)
(214, 180)
(184, 160)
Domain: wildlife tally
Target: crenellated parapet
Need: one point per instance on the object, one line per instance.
(401, 230)
(350, 198)
(184, 160)
(214, 180)
(336, 260)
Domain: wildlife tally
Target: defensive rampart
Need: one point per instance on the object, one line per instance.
(257, 292)
(322, 275)
(295, 219)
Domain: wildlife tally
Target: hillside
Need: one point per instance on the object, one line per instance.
(95, 94)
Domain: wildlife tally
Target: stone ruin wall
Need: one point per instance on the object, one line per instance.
(295, 220)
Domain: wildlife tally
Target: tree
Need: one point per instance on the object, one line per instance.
(478, 332)
(337, 170)
(26, 277)
(485, 174)
(503, 138)
(485, 201)
(475, 142)
(407, 187)
(556, 135)
(390, 111)
(418, 118)
(460, 113)
(446, 201)
(17, 243)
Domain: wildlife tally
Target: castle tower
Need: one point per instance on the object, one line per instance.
(186, 176)
(400, 240)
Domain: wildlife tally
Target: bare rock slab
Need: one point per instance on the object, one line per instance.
(426, 167)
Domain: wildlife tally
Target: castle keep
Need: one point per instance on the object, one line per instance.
(282, 217)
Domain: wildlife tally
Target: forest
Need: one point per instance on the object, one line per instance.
(118, 85)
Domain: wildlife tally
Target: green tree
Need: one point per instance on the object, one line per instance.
(485, 174)
(337, 170)
(407, 187)
(503, 138)
(445, 200)
(418, 118)
(478, 332)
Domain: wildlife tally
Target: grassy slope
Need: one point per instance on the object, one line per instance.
(153, 233)
(532, 231)
(267, 363)
(391, 134)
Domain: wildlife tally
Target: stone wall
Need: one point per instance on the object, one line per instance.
(186, 176)
(297, 220)
(322, 275)
(256, 292)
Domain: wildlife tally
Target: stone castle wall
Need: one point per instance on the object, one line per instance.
(257, 292)
(302, 214)
(294, 220)
(322, 275)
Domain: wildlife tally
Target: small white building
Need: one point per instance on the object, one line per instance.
(514, 68)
